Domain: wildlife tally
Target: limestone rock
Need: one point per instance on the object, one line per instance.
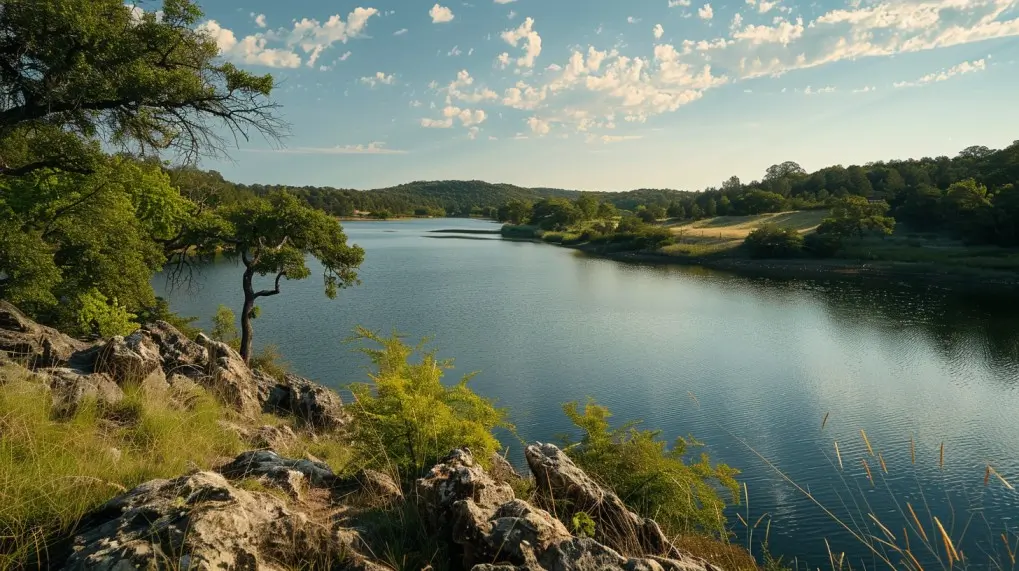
(458, 477)
(199, 522)
(502, 470)
(291, 475)
(131, 359)
(369, 489)
(229, 378)
(309, 401)
(25, 341)
(179, 354)
(275, 438)
(69, 387)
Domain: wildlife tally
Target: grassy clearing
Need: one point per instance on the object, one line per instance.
(931, 249)
(54, 470)
(723, 235)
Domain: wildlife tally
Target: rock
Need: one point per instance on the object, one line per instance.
(369, 489)
(308, 401)
(291, 475)
(179, 354)
(616, 527)
(130, 359)
(25, 341)
(69, 387)
(200, 521)
(502, 470)
(275, 438)
(229, 378)
(456, 478)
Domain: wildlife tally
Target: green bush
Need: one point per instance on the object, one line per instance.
(822, 245)
(771, 241)
(649, 476)
(407, 419)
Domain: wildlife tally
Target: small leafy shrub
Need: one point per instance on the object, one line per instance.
(224, 325)
(271, 362)
(408, 419)
(822, 245)
(649, 476)
(771, 241)
(583, 525)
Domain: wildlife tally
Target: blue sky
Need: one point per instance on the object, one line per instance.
(614, 94)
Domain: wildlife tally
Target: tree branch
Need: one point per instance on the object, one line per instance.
(268, 292)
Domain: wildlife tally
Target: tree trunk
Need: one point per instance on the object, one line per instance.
(249, 307)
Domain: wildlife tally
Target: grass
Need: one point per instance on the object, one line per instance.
(55, 470)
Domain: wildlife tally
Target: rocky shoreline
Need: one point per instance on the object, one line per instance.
(262, 510)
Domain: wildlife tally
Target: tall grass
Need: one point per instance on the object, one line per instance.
(54, 470)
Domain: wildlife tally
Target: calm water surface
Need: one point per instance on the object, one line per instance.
(764, 360)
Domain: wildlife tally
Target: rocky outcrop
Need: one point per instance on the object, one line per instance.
(299, 397)
(285, 473)
(134, 359)
(25, 341)
(496, 531)
(228, 377)
(180, 355)
(69, 387)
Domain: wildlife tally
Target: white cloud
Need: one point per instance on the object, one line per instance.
(441, 14)
(961, 69)
(512, 14)
(737, 22)
(415, 103)
(400, 32)
(820, 91)
(313, 37)
(782, 33)
(866, 89)
(260, 20)
(379, 78)
(531, 41)
(451, 113)
(372, 148)
(606, 139)
(454, 52)
(437, 123)
(658, 31)
(464, 79)
(251, 50)
(504, 1)
(632, 20)
(764, 6)
(503, 60)
(539, 126)
(344, 56)
(705, 12)
(674, 3)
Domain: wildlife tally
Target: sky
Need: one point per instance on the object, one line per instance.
(616, 94)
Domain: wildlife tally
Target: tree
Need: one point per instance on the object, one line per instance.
(588, 205)
(273, 237)
(555, 214)
(75, 71)
(771, 241)
(676, 210)
(710, 208)
(784, 170)
(759, 202)
(855, 216)
(724, 205)
(606, 210)
(514, 212)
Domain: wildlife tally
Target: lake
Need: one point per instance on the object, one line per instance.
(748, 366)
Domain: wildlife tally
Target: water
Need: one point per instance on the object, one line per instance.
(765, 360)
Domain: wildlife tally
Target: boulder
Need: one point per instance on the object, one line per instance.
(369, 489)
(308, 401)
(201, 521)
(291, 475)
(25, 341)
(131, 359)
(276, 438)
(69, 387)
(228, 377)
(179, 354)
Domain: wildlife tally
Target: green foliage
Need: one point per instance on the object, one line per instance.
(855, 217)
(53, 471)
(649, 476)
(102, 316)
(224, 325)
(822, 245)
(407, 419)
(555, 214)
(583, 525)
(772, 241)
(270, 361)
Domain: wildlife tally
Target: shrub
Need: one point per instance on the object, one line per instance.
(407, 419)
(822, 245)
(771, 241)
(270, 361)
(649, 476)
(224, 326)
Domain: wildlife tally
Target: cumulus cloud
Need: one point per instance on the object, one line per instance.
(441, 14)
(944, 75)
(658, 31)
(674, 3)
(819, 91)
(606, 139)
(503, 60)
(372, 148)
(705, 12)
(456, 90)
(379, 78)
(437, 123)
(454, 52)
(260, 20)
(539, 126)
(781, 33)
(866, 89)
(504, 1)
(250, 50)
(632, 20)
(530, 40)
(452, 113)
(512, 14)
(400, 32)
(313, 37)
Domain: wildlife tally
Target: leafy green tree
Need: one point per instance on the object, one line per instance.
(724, 206)
(855, 216)
(772, 241)
(588, 206)
(606, 210)
(788, 169)
(73, 72)
(555, 214)
(695, 212)
(760, 202)
(515, 212)
(676, 210)
(224, 325)
(710, 208)
(274, 237)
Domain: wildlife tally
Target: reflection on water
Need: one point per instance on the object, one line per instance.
(764, 359)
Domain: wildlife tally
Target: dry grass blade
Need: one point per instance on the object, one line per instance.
(912, 449)
(886, 543)
(866, 441)
(1002, 479)
(884, 467)
(987, 475)
(941, 460)
(949, 546)
(825, 420)
(1008, 548)
(882, 526)
(838, 455)
(917, 521)
(867, 468)
(913, 559)
(831, 558)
